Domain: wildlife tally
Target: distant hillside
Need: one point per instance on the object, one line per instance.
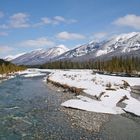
(7, 67)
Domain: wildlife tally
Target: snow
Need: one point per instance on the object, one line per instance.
(88, 106)
(40, 56)
(133, 106)
(5, 77)
(123, 43)
(79, 50)
(11, 57)
(32, 73)
(94, 85)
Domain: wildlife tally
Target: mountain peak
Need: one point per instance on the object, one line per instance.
(123, 44)
(11, 57)
(40, 56)
(62, 47)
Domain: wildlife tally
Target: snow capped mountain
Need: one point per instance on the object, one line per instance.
(80, 51)
(121, 45)
(11, 57)
(40, 56)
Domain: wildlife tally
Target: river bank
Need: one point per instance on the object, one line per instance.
(106, 126)
(90, 121)
(97, 93)
(32, 109)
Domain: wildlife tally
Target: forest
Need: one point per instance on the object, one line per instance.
(7, 67)
(128, 65)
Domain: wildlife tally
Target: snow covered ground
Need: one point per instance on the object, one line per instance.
(32, 73)
(4, 77)
(110, 90)
(107, 89)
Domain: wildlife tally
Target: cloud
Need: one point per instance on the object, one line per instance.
(99, 35)
(5, 49)
(19, 20)
(39, 42)
(3, 34)
(69, 36)
(128, 21)
(4, 26)
(56, 20)
(1, 14)
(46, 20)
(59, 18)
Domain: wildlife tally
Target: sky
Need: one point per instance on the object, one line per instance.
(26, 25)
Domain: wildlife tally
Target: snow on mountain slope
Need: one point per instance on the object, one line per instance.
(11, 57)
(123, 43)
(79, 51)
(40, 56)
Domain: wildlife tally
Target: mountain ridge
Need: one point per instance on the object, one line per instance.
(120, 45)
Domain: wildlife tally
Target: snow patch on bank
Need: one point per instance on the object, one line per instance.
(31, 73)
(95, 85)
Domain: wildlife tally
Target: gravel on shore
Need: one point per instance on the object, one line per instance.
(90, 121)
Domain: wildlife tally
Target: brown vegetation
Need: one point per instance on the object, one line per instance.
(75, 90)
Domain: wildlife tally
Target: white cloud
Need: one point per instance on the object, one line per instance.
(46, 20)
(19, 20)
(70, 36)
(99, 36)
(1, 14)
(60, 18)
(39, 42)
(5, 49)
(129, 21)
(56, 20)
(3, 34)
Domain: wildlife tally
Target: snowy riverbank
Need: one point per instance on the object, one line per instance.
(108, 91)
(5, 77)
(95, 92)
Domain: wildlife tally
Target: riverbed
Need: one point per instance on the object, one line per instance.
(30, 110)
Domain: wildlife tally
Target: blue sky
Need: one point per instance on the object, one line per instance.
(26, 25)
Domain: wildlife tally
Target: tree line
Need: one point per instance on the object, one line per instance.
(127, 65)
(7, 67)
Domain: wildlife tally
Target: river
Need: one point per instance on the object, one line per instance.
(29, 110)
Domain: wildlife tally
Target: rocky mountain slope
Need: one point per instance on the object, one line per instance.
(121, 45)
(39, 56)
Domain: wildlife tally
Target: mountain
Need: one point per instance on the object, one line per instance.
(79, 51)
(12, 57)
(39, 56)
(120, 45)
